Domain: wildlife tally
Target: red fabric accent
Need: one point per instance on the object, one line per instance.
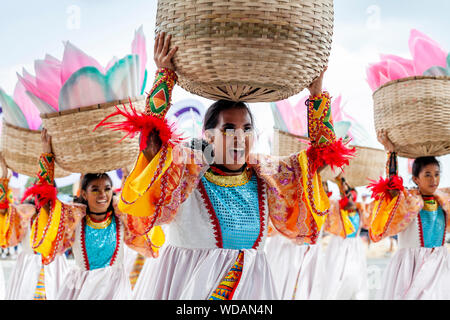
(217, 170)
(343, 202)
(422, 243)
(83, 244)
(381, 187)
(336, 154)
(43, 193)
(262, 213)
(114, 256)
(212, 215)
(445, 228)
(4, 205)
(138, 122)
(329, 194)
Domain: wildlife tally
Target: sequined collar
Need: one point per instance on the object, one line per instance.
(229, 181)
(99, 224)
(429, 203)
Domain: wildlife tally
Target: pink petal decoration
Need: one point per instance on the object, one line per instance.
(396, 70)
(383, 79)
(28, 77)
(426, 52)
(372, 79)
(374, 73)
(48, 77)
(111, 63)
(52, 60)
(295, 118)
(32, 88)
(139, 48)
(26, 105)
(75, 59)
(408, 64)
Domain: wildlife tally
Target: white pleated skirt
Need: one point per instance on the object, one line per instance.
(345, 276)
(25, 275)
(297, 269)
(109, 283)
(193, 274)
(417, 274)
(2, 284)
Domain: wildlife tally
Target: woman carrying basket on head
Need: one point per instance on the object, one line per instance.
(420, 269)
(93, 227)
(218, 208)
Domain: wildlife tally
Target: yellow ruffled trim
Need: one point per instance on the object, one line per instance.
(321, 200)
(157, 238)
(380, 220)
(4, 226)
(348, 225)
(40, 242)
(138, 196)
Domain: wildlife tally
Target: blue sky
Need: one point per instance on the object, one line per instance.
(105, 28)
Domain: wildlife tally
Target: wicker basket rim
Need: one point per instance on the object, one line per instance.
(89, 108)
(306, 138)
(20, 128)
(411, 79)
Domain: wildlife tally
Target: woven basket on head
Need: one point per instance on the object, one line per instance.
(254, 51)
(21, 149)
(368, 163)
(415, 112)
(79, 149)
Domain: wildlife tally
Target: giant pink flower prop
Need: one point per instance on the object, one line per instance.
(79, 79)
(428, 58)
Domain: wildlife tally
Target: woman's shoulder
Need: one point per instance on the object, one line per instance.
(443, 197)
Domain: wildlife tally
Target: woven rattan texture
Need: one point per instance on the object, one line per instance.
(254, 51)
(415, 112)
(79, 149)
(368, 163)
(21, 149)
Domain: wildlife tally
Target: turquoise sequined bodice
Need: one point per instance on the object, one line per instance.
(100, 245)
(237, 209)
(433, 227)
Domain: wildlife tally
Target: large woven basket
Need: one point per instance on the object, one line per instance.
(254, 51)
(79, 149)
(368, 163)
(415, 112)
(21, 149)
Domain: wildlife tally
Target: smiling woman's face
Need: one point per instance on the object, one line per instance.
(98, 195)
(233, 138)
(428, 179)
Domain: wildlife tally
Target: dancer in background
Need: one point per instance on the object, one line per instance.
(420, 269)
(218, 206)
(95, 229)
(29, 278)
(345, 276)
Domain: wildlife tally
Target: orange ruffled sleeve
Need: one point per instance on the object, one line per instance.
(333, 223)
(297, 202)
(155, 189)
(443, 197)
(392, 216)
(15, 219)
(53, 231)
(14, 224)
